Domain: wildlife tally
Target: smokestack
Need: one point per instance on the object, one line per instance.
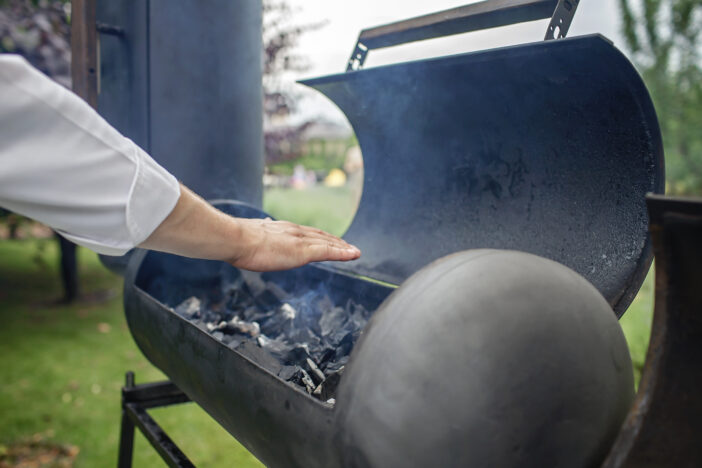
(183, 80)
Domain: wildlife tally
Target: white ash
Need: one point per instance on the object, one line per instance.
(302, 336)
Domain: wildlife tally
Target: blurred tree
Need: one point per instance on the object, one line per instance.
(11, 221)
(39, 30)
(280, 37)
(664, 38)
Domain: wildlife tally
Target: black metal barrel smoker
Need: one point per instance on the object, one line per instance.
(548, 148)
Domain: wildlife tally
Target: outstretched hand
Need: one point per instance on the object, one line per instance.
(196, 229)
(269, 245)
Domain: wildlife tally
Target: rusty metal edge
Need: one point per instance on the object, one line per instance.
(664, 424)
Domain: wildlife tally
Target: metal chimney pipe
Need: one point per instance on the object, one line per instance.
(184, 81)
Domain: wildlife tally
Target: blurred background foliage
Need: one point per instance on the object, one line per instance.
(663, 38)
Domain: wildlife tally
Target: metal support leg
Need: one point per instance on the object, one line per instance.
(136, 399)
(126, 442)
(126, 437)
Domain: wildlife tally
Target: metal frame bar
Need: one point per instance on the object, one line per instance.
(476, 16)
(136, 399)
(562, 17)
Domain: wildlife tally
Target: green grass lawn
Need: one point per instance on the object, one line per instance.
(636, 323)
(62, 367)
(328, 208)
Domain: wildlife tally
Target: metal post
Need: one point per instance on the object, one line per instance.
(136, 399)
(126, 438)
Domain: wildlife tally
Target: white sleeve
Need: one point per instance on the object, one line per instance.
(63, 165)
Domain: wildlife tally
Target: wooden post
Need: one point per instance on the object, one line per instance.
(84, 50)
(84, 75)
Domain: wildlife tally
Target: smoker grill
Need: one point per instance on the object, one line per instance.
(547, 148)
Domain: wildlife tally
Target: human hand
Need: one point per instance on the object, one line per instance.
(196, 229)
(267, 245)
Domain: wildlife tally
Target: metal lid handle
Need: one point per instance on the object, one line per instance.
(473, 17)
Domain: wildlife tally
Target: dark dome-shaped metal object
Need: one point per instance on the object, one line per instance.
(487, 358)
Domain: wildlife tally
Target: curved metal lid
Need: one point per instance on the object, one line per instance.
(547, 148)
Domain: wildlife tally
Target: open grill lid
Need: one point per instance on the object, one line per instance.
(547, 148)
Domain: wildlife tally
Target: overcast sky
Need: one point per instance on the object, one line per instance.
(329, 48)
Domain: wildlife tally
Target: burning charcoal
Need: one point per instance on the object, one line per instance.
(305, 338)
(280, 322)
(254, 314)
(302, 335)
(240, 300)
(338, 336)
(321, 354)
(314, 371)
(210, 316)
(189, 308)
(278, 348)
(287, 372)
(259, 356)
(327, 389)
(303, 379)
(288, 311)
(236, 325)
(298, 354)
(325, 356)
(316, 349)
(345, 346)
(235, 341)
(308, 382)
(332, 319)
(336, 365)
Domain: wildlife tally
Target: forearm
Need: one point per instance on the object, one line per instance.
(196, 229)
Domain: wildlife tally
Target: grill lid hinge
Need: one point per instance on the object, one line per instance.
(358, 57)
(562, 17)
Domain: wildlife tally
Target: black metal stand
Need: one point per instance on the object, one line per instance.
(136, 399)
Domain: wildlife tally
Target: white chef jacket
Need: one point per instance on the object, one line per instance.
(64, 165)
